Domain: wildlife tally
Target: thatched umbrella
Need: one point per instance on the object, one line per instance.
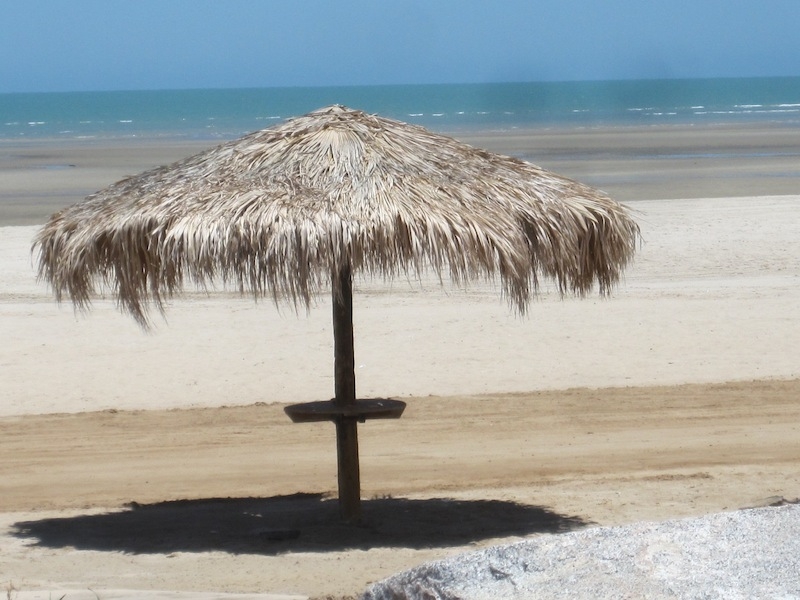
(301, 207)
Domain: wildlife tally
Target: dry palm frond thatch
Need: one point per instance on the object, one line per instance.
(280, 210)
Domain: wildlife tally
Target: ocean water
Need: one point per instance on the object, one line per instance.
(229, 113)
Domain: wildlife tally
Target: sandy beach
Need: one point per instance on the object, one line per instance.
(164, 461)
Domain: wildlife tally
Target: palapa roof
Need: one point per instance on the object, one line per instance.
(278, 211)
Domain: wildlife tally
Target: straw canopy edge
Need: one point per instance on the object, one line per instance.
(279, 211)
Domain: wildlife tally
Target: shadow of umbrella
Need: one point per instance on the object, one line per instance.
(293, 523)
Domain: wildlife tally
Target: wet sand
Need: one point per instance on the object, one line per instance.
(37, 177)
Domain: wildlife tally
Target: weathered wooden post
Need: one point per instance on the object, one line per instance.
(344, 409)
(345, 395)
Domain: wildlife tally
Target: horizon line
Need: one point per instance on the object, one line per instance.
(388, 85)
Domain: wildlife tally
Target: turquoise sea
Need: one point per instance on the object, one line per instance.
(229, 113)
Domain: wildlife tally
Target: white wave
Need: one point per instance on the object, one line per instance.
(415, 114)
(126, 121)
(437, 114)
(35, 123)
(11, 123)
(778, 110)
(788, 105)
(748, 105)
(765, 111)
(697, 107)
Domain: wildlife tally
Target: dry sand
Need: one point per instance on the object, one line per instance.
(677, 396)
(453, 474)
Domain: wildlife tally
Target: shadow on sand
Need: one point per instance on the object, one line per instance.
(295, 523)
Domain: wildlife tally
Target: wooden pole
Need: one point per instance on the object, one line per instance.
(345, 395)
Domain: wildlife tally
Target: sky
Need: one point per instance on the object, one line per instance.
(76, 45)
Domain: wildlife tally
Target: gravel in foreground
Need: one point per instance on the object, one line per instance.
(743, 554)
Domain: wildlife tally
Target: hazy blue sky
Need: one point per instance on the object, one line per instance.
(57, 45)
